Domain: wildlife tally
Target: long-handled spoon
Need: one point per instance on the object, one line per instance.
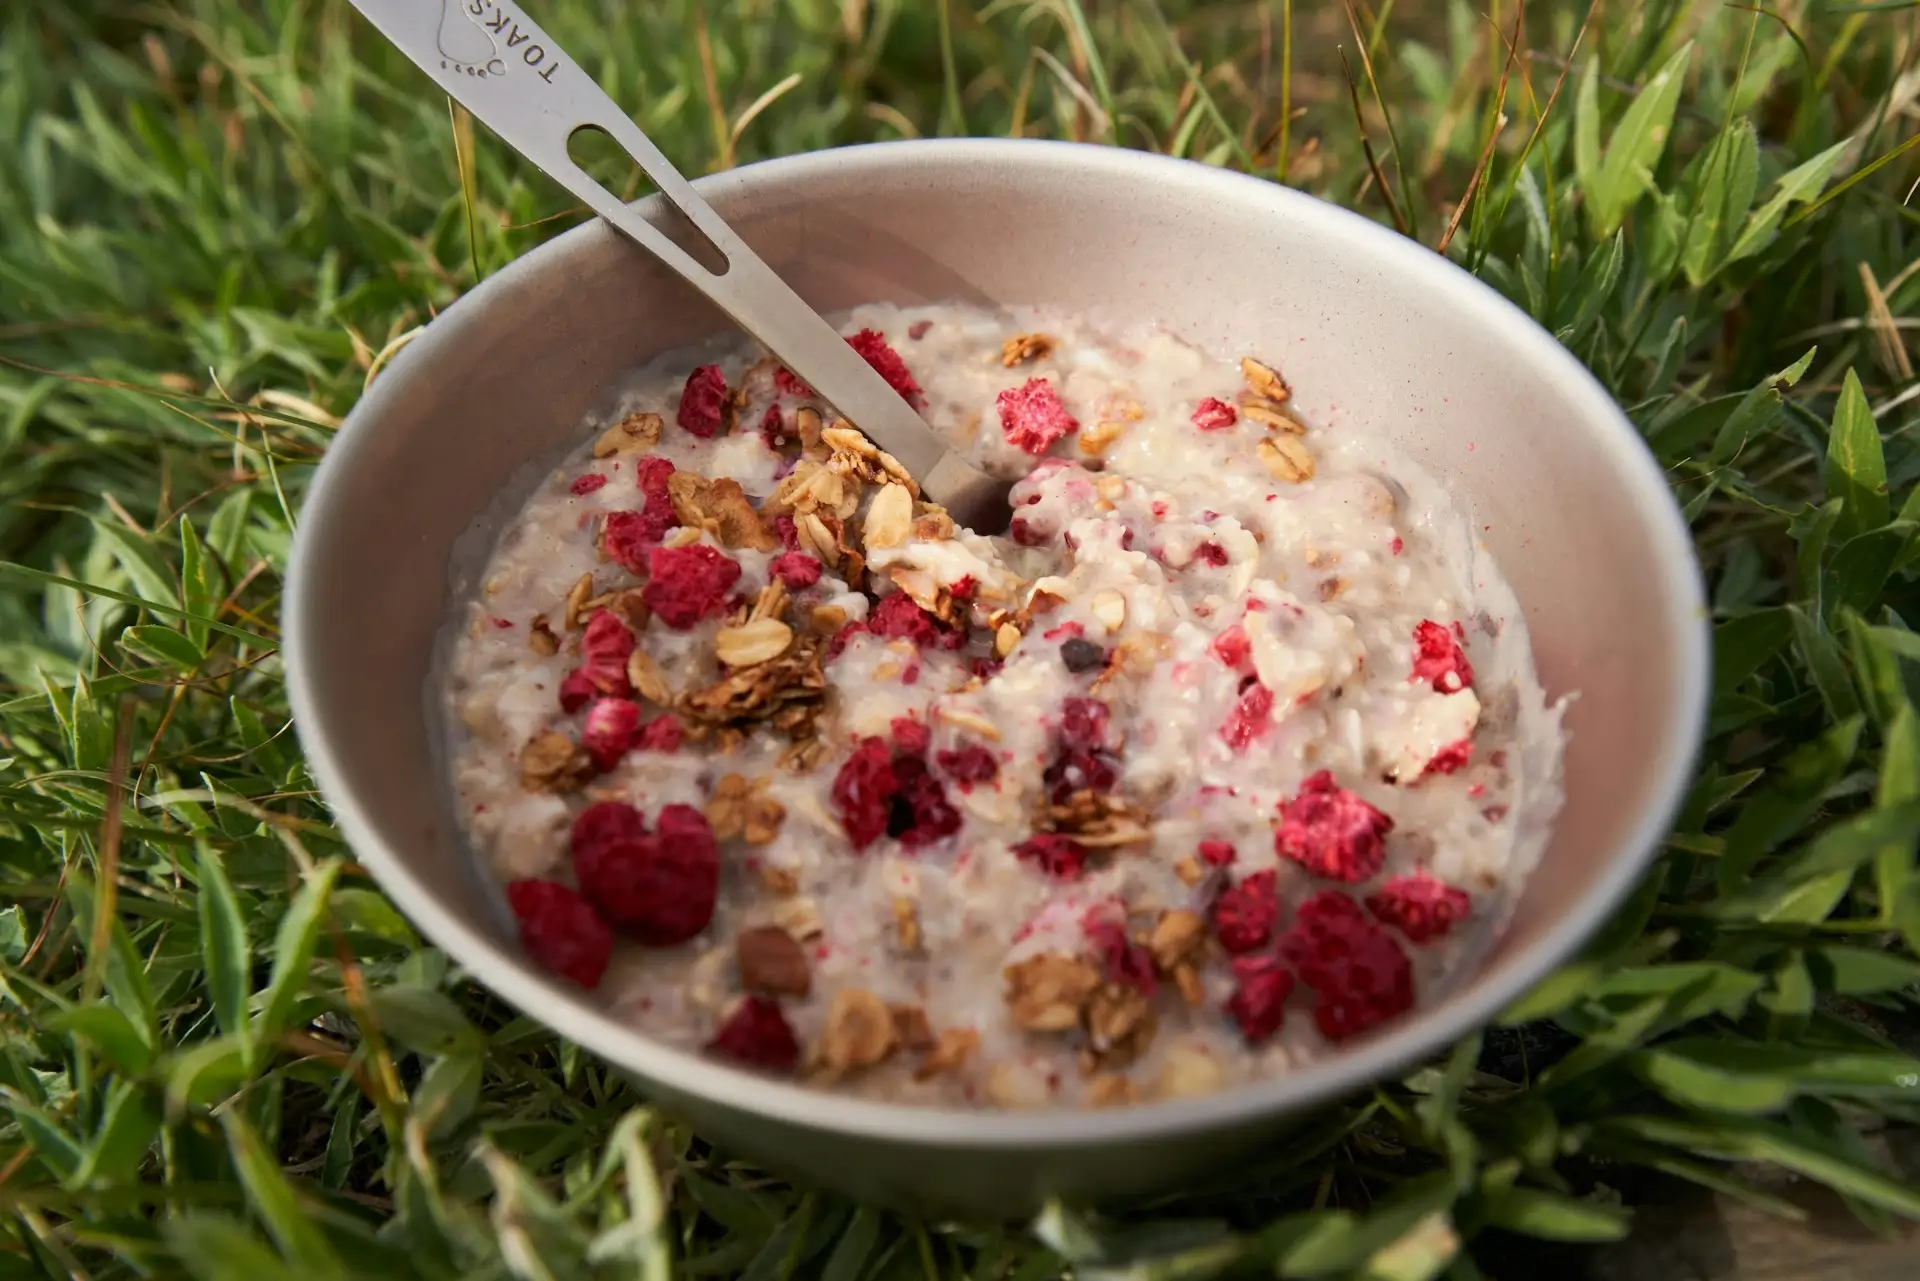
(510, 74)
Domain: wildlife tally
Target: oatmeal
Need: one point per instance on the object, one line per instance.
(1227, 752)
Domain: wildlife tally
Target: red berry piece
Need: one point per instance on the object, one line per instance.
(795, 569)
(1454, 756)
(969, 765)
(1251, 716)
(1232, 647)
(702, 401)
(688, 584)
(1079, 770)
(1420, 906)
(785, 383)
(757, 1035)
(773, 427)
(1217, 853)
(576, 691)
(1359, 975)
(584, 485)
(611, 728)
(919, 815)
(661, 734)
(628, 536)
(1212, 553)
(604, 650)
(788, 531)
(966, 587)
(1083, 723)
(1258, 1003)
(897, 617)
(1126, 961)
(1032, 417)
(910, 737)
(874, 349)
(863, 792)
(1244, 915)
(604, 823)
(1057, 856)
(1331, 832)
(560, 931)
(1439, 660)
(662, 887)
(1215, 415)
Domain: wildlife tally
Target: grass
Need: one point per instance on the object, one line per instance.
(223, 1054)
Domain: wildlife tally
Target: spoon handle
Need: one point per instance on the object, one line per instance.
(512, 76)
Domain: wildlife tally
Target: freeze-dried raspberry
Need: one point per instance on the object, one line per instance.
(1212, 553)
(1258, 1003)
(897, 617)
(702, 400)
(1079, 770)
(1420, 906)
(1066, 631)
(1057, 856)
(628, 536)
(863, 791)
(1126, 961)
(758, 1035)
(661, 734)
(560, 931)
(1217, 853)
(1032, 417)
(1215, 415)
(1359, 975)
(604, 650)
(1244, 915)
(605, 823)
(1232, 647)
(612, 724)
(874, 349)
(795, 569)
(788, 531)
(1250, 717)
(969, 765)
(586, 484)
(966, 587)
(688, 584)
(984, 668)
(918, 329)
(1331, 832)
(785, 383)
(919, 815)
(660, 887)
(910, 737)
(1453, 756)
(1440, 660)
(1082, 655)
(773, 428)
(576, 691)
(1083, 723)
(1026, 533)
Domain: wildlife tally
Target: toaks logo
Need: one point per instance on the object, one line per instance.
(479, 38)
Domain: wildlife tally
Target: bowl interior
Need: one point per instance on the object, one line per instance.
(1373, 331)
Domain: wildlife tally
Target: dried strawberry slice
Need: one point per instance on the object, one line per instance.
(1420, 906)
(863, 792)
(703, 400)
(688, 584)
(1244, 915)
(1439, 660)
(560, 931)
(1258, 1003)
(1332, 832)
(1032, 417)
(757, 1035)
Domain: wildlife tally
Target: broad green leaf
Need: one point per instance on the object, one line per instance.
(1593, 287)
(1841, 849)
(1821, 653)
(227, 531)
(50, 1141)
(1806, 903)
(1893, 866)
(198, 594)
(851, 1252)
(1725, 176)
(1791, 799)
(144, 569)
(1743, 643)
(1861, 971)
(205, 1072)
(1756, 410)
(1798, 185)
(448, 1093)
(1729, 1139)
(223, 943)
(1421, 1253)
(1551, 1216)
(1566, 986)
(163, 646)
(369, 912)
(424, 1020)
(217, 1248)
(1856, 465)
(129, 1125)
(1586, 128)
(1789, 1001)
(289, 1222)
(109, 1030)
(1337, 1249)
(1637, 145)
(293, 946)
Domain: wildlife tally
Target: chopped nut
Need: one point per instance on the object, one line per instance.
(1330, 588)
(789, 690)
(629, 605)
(1023, 349)
(906, 923)
(1110, 487)
(1005, 637)
(889, 519)
(1098, 820)
(1189, 1071)
(1110, 607)
(647, 679)
(758, 641)
(1264, 379)
(1120, 1024)
(1177, 936)
(764, 817)
(953, 1049)
(1048, 991)
(577, 597)
(779, 880)
(933, 525)
(1013, 1084)
(800, 917)
(826, 619)
(966, 718)
(772, 961)
(726, 807)
(1190, 871)
(1286, 458)
(634, 434)
(859, 1031)
(911, 1029)
(1109, 1090)
(552, 762)
(1097, 439)
(1273, 417)
(806, 423)
(685, 536)
(1187, 979)
(540, 637)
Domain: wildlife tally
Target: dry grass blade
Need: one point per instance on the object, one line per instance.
(1373, 163)
(1498, 121)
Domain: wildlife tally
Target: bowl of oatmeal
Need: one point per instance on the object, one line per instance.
(1295, 725)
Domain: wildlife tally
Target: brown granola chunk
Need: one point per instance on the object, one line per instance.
(911, 1028)
(1099, 820)
(771, 961)
(634, 434)
(540, 637)
(1022, 349)
(954, 1047)
(1177, 937)
(1109, 1090)
(740, 808)
(1119, 1023)
(552, 762)
(1046, 993)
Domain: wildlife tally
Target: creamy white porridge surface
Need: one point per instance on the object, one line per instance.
(1222, 756)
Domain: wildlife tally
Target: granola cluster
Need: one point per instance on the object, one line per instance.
(1183, 780)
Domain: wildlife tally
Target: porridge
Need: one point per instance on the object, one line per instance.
(1225, 753)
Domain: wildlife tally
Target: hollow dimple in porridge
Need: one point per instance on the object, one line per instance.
(1222, 756)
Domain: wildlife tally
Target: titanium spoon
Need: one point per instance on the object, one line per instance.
(512, 76)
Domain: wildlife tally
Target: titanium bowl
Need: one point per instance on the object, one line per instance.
(1396, 339)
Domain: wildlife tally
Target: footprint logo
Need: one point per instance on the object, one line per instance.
(464, 44)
